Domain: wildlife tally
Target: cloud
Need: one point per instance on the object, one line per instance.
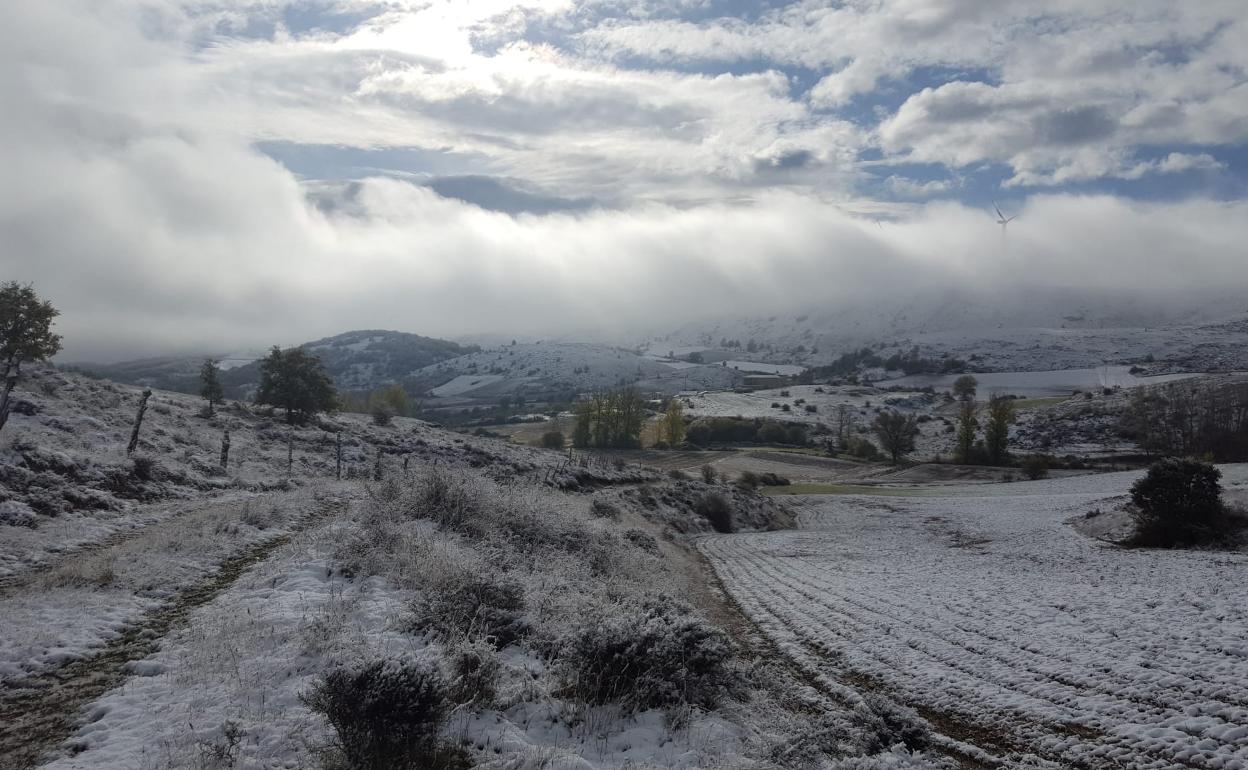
(903, 187)
(1061, 82)
(211, 246)
(535, 188)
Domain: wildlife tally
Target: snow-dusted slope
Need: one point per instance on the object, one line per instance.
(556, 370)
(1027, 330)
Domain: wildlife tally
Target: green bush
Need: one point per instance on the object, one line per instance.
(770, 479)
(1179, 502)
(383, 414)
(1036, 467)
(716, 509)
(552, 439)
(748, 480)
(863, 448)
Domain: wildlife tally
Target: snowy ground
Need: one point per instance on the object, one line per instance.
(824, 398)
(758, 367)
(224, 687)
(863, 403)
(66, 613)
(1011, 631)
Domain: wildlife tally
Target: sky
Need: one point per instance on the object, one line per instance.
(196, 175)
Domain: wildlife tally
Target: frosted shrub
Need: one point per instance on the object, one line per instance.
(473, 672)
(875, 733)
(887, 724)
(642, 539)
(14, 513)
(603, 509)
(465, 604)
(386, 713)
(893, 760)
(447, 497)
(143, 467)
(647, 655)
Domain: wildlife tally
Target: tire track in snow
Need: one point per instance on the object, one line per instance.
(799, 610)
(14, 582)
(39, 713)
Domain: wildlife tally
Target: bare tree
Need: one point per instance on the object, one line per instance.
(844, 425)
(896, 432)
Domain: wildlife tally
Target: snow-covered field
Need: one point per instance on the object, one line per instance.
(862, 404)
(1060, 382)
(1008, 629)
(757, 366)
(465, 383)
(825, 399)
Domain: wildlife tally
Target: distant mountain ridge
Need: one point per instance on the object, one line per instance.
(355, 360)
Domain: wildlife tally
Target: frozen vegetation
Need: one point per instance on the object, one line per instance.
(532, 611)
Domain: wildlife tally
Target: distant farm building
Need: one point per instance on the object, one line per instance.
(764, 381)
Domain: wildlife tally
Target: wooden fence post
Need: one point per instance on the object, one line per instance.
(138, 422)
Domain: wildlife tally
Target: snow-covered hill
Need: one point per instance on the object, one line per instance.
(557, 371)
(1022, 330)
(355, 360)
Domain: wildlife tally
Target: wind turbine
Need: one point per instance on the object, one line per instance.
(1002, 219)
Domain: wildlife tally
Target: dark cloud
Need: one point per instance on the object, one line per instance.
(1075, 125)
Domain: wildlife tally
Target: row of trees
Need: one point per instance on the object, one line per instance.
(910, 362)
(610, 420)
(1188, 419)
(292, 380)
(295, 381)
(742, 430)
(993, 449)
(897, 432)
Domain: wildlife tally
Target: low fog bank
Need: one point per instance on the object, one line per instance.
(225, 264)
